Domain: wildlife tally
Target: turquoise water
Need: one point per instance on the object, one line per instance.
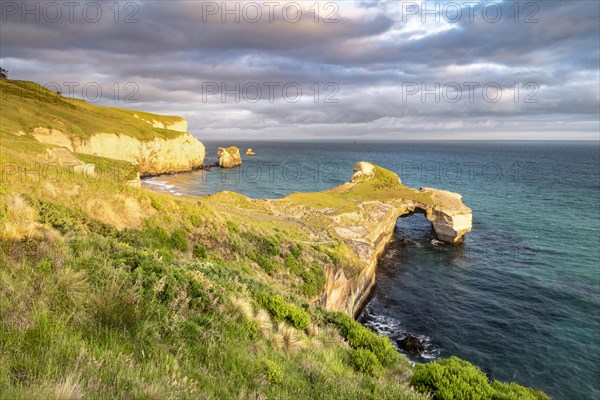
(520, 297)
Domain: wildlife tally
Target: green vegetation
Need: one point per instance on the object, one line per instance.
(178, 240)
(199, 251)
(283, 310)
(314, 279)
(456, 379)
(101, 314)
(514, 391)
(118, 170)
(365, 361)
(108, 291)
(384, 186)
(360, 337)
(27, 105)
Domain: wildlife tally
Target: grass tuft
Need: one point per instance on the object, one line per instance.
(68, 389)
(19, 219)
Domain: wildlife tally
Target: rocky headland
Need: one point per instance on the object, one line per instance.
(363, 213)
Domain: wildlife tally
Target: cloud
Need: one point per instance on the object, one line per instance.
(357, 75)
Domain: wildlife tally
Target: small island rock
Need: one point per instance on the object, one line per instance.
(229, 157)
(411, 344)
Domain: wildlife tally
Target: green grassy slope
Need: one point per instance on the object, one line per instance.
(27, 105)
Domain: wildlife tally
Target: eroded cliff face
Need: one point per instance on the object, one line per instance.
(155, 156)
(363, 214)
(368, 232)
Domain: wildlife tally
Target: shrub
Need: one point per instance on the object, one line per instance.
(291, 264)
(276, 305)
(267, 246)
(335, 259)
(250, 329)
(196, 220)
(365, 361)
(178, 240)
(232, 227)
(44, 266)
(361, 337)
(283, 310)
(273, 372)
(513, 391)
(314, 280)
(296, 250)
(199, 251)
(270, 246)
(298, 317)
(234, 246)
(155, 203)
(267, 264)
(159, 235)
(452, 378)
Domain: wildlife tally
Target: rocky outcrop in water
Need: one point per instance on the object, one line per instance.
(412, 345)
(451, 219)
(229, 157)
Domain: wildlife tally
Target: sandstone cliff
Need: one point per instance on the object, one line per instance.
(154, 156)
(157, 143)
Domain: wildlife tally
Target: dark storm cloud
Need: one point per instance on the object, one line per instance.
(374, 54)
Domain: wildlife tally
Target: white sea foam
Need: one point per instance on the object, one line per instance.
(162, 186)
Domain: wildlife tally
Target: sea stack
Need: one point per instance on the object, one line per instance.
(229, 157)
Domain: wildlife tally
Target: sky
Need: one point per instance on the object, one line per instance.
(358, 70)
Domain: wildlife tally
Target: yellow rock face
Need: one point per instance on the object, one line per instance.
(155, 156)
(229, 157)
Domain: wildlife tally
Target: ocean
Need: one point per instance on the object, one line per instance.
(520, 298)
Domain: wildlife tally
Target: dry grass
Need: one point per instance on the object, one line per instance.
(313, 330)
(119, 211)
(19, 219)
(73, 285)
(243, 307)
(264, 322)
(150, 391)
(68, 389)
(288, 338)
